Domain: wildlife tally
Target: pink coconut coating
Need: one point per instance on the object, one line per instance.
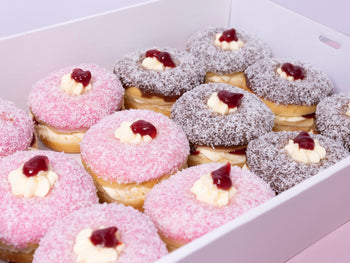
(177, 213)
(53, 106)
(16, 128)
(26, 220)
(124, 163)
(136, 231)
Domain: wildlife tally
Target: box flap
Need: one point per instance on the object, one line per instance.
(102, 39)
(291, 35)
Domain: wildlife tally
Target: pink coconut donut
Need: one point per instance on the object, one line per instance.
(16, 129)
(26, 220)
(180, 217)
(52, 106)
(124, 163)
(136, 231)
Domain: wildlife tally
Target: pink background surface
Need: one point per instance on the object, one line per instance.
(332, 248)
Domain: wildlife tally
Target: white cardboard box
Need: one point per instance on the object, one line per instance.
(272, 232)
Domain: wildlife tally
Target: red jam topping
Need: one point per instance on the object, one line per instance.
(309, 116)
(152, 53)
(228, 36)
(35, 121)
(81, 76)
(221, 177)
(105, 237)
(230, 98)
(294, 71)
(144, 128)
(305, 141)
(35, 165)
(162, 57)
(193, 150)
(239, 151)
(33, 141)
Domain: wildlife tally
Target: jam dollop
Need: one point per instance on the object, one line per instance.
(239, 151)
(152, 53)
(230, 98)
(221, 177)
(105, 237)
(305, 141)
(162, 57)
(296, 72)
(35, 165)
(144, 128)
(33, 140)
(81, 76)
(35, 121)
(193, 150)
(309, 116)
(229, 36)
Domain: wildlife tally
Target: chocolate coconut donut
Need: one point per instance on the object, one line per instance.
(217, 137)
(333, 118)
(226, 60)
(291, 89)
(279, 157)
(155, 78)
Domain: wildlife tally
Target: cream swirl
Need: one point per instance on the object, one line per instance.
(125, 134)
(33, 186)
(152, 63)
(348, 111)
(304, 155)
(72, 87)
(206, 191)
(87, 252)
(233, 45)
(284, 75)
(218, 106)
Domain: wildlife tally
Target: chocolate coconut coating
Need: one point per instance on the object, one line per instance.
(206, 127)
(220, 61)
(267, 158)
(172, 82)
(263, 79)
(331, 120)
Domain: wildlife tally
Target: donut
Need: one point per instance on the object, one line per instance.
(182, 214)
(37, 188)
(65, 104)
(137, 239)
(333, 118)
(154, 78)
(273, 158)
(218, 137)
(124, 164)
(16, 129)
(226, 53)
(291, 89)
